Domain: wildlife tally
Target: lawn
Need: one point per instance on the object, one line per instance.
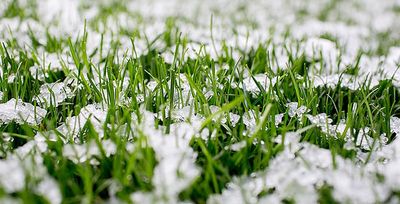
(213, 101)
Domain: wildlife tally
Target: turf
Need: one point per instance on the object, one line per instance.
(108, 103)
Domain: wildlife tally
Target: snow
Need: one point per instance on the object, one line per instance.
(176, 167)
(95, 113)
(80, 153)
(49, 189)
(250, 83)
(54, 93)
(298, 174)
(295, 110)
(20, 112)
(330, 41)
(12, 175)
(237, 146)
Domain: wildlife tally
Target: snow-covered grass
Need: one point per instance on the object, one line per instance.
(213, 101)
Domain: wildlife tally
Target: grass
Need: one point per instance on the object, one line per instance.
(120, 82)
(218, 165)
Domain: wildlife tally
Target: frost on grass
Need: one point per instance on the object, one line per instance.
(21, 112)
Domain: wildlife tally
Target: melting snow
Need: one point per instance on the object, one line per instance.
(21, 112)
(176, 167)
(80, 153)
(49, 189)
(94, 113)
(54, 93)
(296, 110)
(12, 175)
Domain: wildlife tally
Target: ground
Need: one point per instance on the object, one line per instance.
(211, 101)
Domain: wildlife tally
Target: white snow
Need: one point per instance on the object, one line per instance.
(12, 175)
(80, 153)
(94, 113)
(54, 93)
(21, 112)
